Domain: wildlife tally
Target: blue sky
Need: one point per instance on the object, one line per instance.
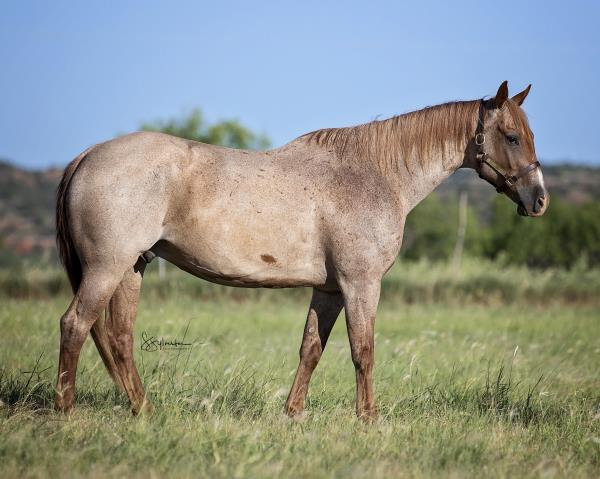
(76, 73)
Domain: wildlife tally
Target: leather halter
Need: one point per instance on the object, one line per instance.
(509, 180)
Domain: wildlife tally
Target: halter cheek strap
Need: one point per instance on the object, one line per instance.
(509, 180)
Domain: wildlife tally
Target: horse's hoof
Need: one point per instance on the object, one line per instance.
(62, 406)
(368, 417)
(296, 416)
(143, 409)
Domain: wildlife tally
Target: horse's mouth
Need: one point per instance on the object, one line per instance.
(523, 212)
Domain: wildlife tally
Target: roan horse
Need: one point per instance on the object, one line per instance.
(326, 210)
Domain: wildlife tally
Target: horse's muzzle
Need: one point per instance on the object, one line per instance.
(535, 204)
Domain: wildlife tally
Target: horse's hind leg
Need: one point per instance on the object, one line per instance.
(122, 310)
(88, 304)
(100, 337)
(322, 314)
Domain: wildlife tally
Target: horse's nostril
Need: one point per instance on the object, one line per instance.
(539, 204)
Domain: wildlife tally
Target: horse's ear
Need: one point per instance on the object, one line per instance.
(502, 94)
(519, 98)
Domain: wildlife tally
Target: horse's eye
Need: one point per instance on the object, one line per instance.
(512, 140)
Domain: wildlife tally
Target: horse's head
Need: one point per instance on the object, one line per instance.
(505, 153)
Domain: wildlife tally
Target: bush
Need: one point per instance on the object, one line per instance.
(567, 235)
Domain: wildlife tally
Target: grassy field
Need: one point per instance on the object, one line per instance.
(506, 385)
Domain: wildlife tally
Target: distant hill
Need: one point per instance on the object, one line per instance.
(27, 201)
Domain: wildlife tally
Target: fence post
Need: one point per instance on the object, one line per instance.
(162, 269)
(462, 228)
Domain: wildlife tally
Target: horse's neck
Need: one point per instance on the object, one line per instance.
(415, 182)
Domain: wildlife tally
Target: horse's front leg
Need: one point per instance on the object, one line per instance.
(361, 298)
(322, 314)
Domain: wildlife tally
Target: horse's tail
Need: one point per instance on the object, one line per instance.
(66, 247)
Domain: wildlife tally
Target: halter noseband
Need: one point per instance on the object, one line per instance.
(483, 157)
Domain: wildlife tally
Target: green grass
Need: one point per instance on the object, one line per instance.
(499, 388)
(480, 281)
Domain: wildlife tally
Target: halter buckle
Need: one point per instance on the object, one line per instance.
(479, 139)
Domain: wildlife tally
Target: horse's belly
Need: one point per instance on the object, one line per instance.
(246, 249)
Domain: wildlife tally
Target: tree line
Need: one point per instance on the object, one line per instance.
(566, 235)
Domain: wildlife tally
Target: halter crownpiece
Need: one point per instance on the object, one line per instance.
(483, 157)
